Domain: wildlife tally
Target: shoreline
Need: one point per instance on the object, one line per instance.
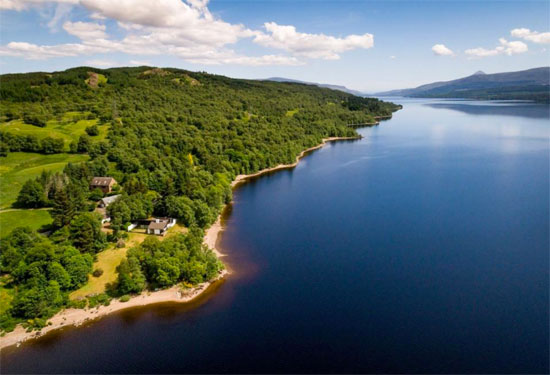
(76, 317)
(243, 177)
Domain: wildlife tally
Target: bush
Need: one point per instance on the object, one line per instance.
(78, 304)
(96, 194)
(99, 299)
(125, 298)
(34, 120)
(97, 272)
(92, 130)
(120, 243)
(32, 195)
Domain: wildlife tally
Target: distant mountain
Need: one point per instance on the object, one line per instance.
(531, 84)
(333, 87)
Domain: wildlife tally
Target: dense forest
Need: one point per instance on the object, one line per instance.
(175, 141)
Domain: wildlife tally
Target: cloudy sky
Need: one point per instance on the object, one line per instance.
(365, 45)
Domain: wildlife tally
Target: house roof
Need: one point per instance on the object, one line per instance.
(161, 224)
(102, 181)
(108, 200)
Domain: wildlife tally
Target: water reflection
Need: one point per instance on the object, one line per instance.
(516, 109)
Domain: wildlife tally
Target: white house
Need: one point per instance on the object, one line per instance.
(159, 226)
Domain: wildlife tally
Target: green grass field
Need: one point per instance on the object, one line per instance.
(109, 259)
(19, 167)
(69, 128)
(9, 220)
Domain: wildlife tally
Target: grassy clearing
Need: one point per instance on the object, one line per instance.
(69, 128)
(291, 113)
(109, 259)
(6, 296)
(9, 220)
(19, 167)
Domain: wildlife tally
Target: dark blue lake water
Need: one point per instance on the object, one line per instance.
(423, 247)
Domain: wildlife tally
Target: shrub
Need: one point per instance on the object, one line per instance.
(92, 130)
(125, 298)
(97, 272)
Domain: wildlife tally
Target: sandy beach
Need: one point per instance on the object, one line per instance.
(76, 317)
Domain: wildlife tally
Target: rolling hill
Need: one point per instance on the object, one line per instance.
(324, 85)
(531, 84)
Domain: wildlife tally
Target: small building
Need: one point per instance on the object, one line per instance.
(105, 184)
(104, 202)
(159, 226)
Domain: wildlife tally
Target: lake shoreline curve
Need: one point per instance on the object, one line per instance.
(75, 317)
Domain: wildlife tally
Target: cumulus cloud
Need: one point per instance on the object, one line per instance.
(185, 29)
(505, 48)
(36, 52)
(442, 50)
(310, 45)
(531, 36)
(85, 30)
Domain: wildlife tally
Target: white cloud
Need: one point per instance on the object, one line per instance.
(180, 28)
(190, 22)
(505, 48)
(25, 4)
(392, 57)
(310, 45)
(62, 12)
(101, 63)
(85, 30)
(531, 36)
(140, 63)
(442, 50)
(35, 52)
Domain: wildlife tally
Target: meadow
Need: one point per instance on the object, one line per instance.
(69, 128)
(18, 167)
(11, 219)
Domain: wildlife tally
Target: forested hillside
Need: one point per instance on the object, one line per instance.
(173, 140)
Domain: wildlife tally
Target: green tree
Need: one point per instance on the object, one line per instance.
(67, 202)
(92, 130)
(86, 234)
(84, 143)
(32, 195)
(130, 277)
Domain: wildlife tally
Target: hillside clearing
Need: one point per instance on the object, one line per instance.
(35, 219)
(108, 261)
(69, 128)
(18, 167)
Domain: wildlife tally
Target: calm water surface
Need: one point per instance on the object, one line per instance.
(423, 247)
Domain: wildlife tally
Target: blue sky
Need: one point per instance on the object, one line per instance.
(365, 45)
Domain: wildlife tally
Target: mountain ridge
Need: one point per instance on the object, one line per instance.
(325, 85)
(529, 84)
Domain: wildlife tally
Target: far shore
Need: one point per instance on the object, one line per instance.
(77, 317)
